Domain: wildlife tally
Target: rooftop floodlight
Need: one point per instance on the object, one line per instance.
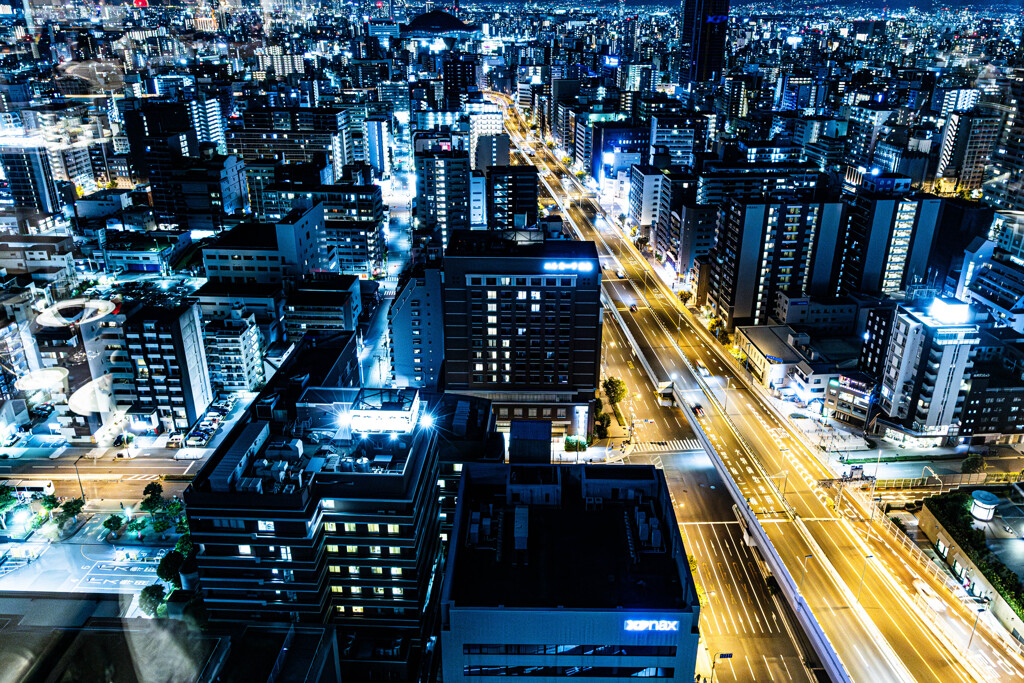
(427, 420)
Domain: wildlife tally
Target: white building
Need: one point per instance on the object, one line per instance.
(926, 370)
(234, 352)
(378, 145)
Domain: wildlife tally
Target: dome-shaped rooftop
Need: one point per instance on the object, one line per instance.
(437, 21)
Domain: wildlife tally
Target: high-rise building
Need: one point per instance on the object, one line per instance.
(702, 41)
(511, 196)
(416, 330)
(968, 141)
(927, 370)
(491, 150)
(346, 535)
(378, 145)
(234, 352)
(461, 73)
(30, 178)
(522, 324)
(171, 375)
(442, 191)
(1005, 188)
(889, 236)
(766, 247)
(628, 608)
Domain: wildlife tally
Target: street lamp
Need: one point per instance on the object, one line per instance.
(79, 476)
(976, 618)
(863, 571)
(800, 587)
(714, 661)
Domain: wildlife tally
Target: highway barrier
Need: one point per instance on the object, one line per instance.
(827, 654)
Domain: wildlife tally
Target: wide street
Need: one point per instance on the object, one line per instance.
(862, 589)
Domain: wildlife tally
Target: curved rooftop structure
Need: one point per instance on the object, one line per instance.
(438, 22)
(74, 312)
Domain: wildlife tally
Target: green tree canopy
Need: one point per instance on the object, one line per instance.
(151, 598)
(615, 389)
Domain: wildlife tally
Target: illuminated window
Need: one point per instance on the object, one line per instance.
(397, 592)
(396, 572)
(357, 609)
(351, 549)
(244, 550)
(378, 590)
(378, 570)
(265, 526)
(357, 590)
(375, 550)
(334, 568)
(330, 527)
(350, 528)
(373, 528)
(352, 569)
(340, 608)
(332, 548)
(392, 528)
(337, 589)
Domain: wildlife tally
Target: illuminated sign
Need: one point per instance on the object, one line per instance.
(611, 61)
(578, 266)
(651, 625)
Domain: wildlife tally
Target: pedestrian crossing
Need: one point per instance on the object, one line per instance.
(141, 477)
(674, 446)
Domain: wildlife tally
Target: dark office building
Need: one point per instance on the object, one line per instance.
(461, 74)
(171, 380)
(523, 326)
(705, 24)
(559, 571)
(511, 196)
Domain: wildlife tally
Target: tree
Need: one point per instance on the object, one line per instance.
(972, 464)
(154, 500)
(114, 524)
(170, 567)
(161, 524)
(49, 503)
(151, 598)
(8, 501)
(68, 512)
(615, 389)
(642, 242)
(184, 545)
(136, 526)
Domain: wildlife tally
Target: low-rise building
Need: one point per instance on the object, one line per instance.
(323, 304)
(559, 569)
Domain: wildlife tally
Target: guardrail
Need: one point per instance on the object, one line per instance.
(950, 481)
(812, 629)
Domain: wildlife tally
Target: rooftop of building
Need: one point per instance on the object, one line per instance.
(475, 243)
(533, 536)
(248, 235)
(214, 288)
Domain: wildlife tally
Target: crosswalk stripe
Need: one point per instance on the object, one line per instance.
(673, 446)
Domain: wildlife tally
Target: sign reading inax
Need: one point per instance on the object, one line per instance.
(651, 625)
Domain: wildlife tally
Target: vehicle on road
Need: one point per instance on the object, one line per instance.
(703, 370)
(126, 455)
(697, 409)
(30, 487)
(633, 308)
(619, 274)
